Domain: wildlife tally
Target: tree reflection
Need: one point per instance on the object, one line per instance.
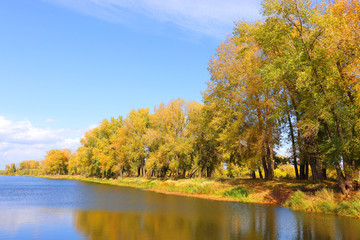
(252, 222)
(126, 225)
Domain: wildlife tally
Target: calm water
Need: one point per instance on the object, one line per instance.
(35, 208)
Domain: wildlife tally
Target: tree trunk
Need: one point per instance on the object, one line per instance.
(302, 170)
(270, 163)
(293, 146)
(323, 173)
(138, 171)
(315, 166)
(344, 184)
(253, 175)
(142, 169)
(202, 173)
(304, 167)
(209, 171)
(260, 173)
(263, 160)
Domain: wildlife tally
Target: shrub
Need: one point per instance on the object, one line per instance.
(237, 192)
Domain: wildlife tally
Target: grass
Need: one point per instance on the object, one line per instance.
(325, 201)
(295, 194)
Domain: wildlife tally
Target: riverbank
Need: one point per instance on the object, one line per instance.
(294, 194)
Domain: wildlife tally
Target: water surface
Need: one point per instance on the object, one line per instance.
(36, 208)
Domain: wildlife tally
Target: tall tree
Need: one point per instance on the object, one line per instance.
(248, 117)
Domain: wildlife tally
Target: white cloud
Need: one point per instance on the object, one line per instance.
(19, 218)
(209, 17)
(22, 141)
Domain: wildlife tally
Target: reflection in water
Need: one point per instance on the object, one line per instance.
(258, 223)
(34, 208)
(15, 219)
(36, 223)
(115, 225)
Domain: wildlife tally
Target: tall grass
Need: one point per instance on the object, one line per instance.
(324, 201)
(298, 201)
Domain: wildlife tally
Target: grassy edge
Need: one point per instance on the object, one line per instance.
(323, 201)
(199, 188)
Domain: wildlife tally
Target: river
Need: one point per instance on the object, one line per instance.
(37, 208)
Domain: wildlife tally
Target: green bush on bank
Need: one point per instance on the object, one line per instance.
(238, 192)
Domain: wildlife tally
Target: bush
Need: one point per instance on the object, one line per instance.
(237, 192)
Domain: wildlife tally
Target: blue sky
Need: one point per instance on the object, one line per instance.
(67, 64)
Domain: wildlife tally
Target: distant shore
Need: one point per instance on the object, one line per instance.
(294, 194)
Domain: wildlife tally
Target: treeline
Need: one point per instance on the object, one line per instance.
(28, 167)
(292, 77)
(175, 140)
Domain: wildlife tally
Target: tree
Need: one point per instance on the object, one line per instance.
(247, 118)
(315, 60)
(205, 155)
(10, 169)
(130, 142)
(56, 161)
(170, 148)
(96, 156)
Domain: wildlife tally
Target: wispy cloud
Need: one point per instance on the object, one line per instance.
(50, 120)
(22, 141)
(209, 17)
